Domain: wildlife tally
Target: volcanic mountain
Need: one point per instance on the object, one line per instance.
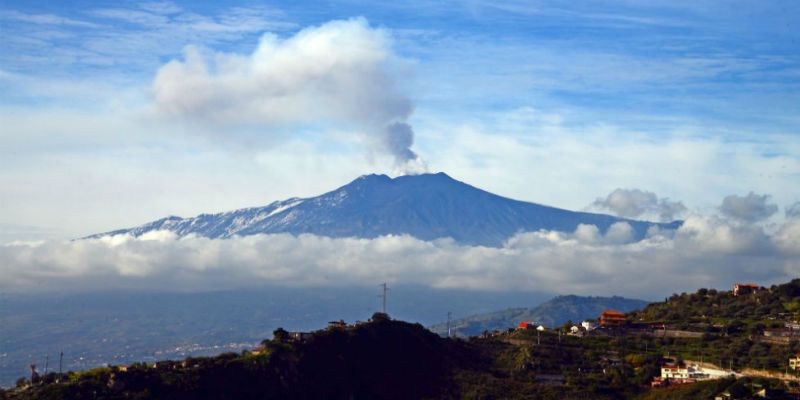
(427, 206)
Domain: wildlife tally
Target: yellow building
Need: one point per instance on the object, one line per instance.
(794, 363)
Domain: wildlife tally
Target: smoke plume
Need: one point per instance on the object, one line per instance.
(339, 74)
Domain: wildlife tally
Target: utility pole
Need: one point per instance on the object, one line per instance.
(60, 363)
(538, 341)
(449, 314)
(46, 362)
(383, 296)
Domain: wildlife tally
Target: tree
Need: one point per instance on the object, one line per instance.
(280, 335)
(379, 316)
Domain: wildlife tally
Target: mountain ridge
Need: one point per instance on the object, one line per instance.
(425, 206)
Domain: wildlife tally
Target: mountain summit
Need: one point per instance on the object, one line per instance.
(427, 206)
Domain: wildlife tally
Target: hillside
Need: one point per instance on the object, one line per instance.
(713, 305)
(554, 312)
(398, 360)
(427, 206)
(121, 327)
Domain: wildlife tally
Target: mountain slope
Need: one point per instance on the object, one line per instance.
(551, 313)
(428, 206)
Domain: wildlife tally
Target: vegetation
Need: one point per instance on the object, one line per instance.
(392, 359)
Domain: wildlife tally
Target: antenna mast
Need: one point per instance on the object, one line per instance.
(383, 296)
(449, 314)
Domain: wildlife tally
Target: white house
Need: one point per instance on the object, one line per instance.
(674, 372)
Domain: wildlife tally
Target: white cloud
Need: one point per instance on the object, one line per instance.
(705, 252)
(45, 19)
(748, 208)
(341, 72)
(633, 203)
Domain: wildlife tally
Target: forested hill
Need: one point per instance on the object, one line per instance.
(776, 302)
(380, 359)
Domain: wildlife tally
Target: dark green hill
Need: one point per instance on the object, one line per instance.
(776, 302)
(551, 313)
(374, 360)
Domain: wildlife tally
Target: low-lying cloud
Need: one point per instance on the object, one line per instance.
(635, 203)
(339, 72)
(749, 208)
(705, 251)
(793, 210)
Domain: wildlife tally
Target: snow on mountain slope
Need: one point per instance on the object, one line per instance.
(427, 206)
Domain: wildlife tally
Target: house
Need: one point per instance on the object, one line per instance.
(576, 330)
(794, 325)
(541, 328)
(298, 337)
(527, 325)
(611, 318)
(794, 363)
(674, 372)
(689, 374)
(340, 324)
(589, 325)
(740, 289)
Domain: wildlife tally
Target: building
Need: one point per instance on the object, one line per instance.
(692, 373)
(794, 325)
(745, 288)
(589, 325)
(577, 330)
(340, 324)
(527, 325)
(611, 318)
(299, 336)
(674, 372)
(794, 363)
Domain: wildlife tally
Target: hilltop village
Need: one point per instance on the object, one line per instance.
(737, 344)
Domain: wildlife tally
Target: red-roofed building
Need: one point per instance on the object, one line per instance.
(527, 325)
(610, 318)
(745, 288)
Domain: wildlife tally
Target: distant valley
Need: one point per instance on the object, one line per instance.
(119, 327)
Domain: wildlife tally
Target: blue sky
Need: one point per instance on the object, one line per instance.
(113, 114)
(546, 101)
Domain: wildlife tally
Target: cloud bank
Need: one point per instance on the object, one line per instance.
(634, 203)
(750, 208)
(793, 210)
(340, 72)
(705, 251)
